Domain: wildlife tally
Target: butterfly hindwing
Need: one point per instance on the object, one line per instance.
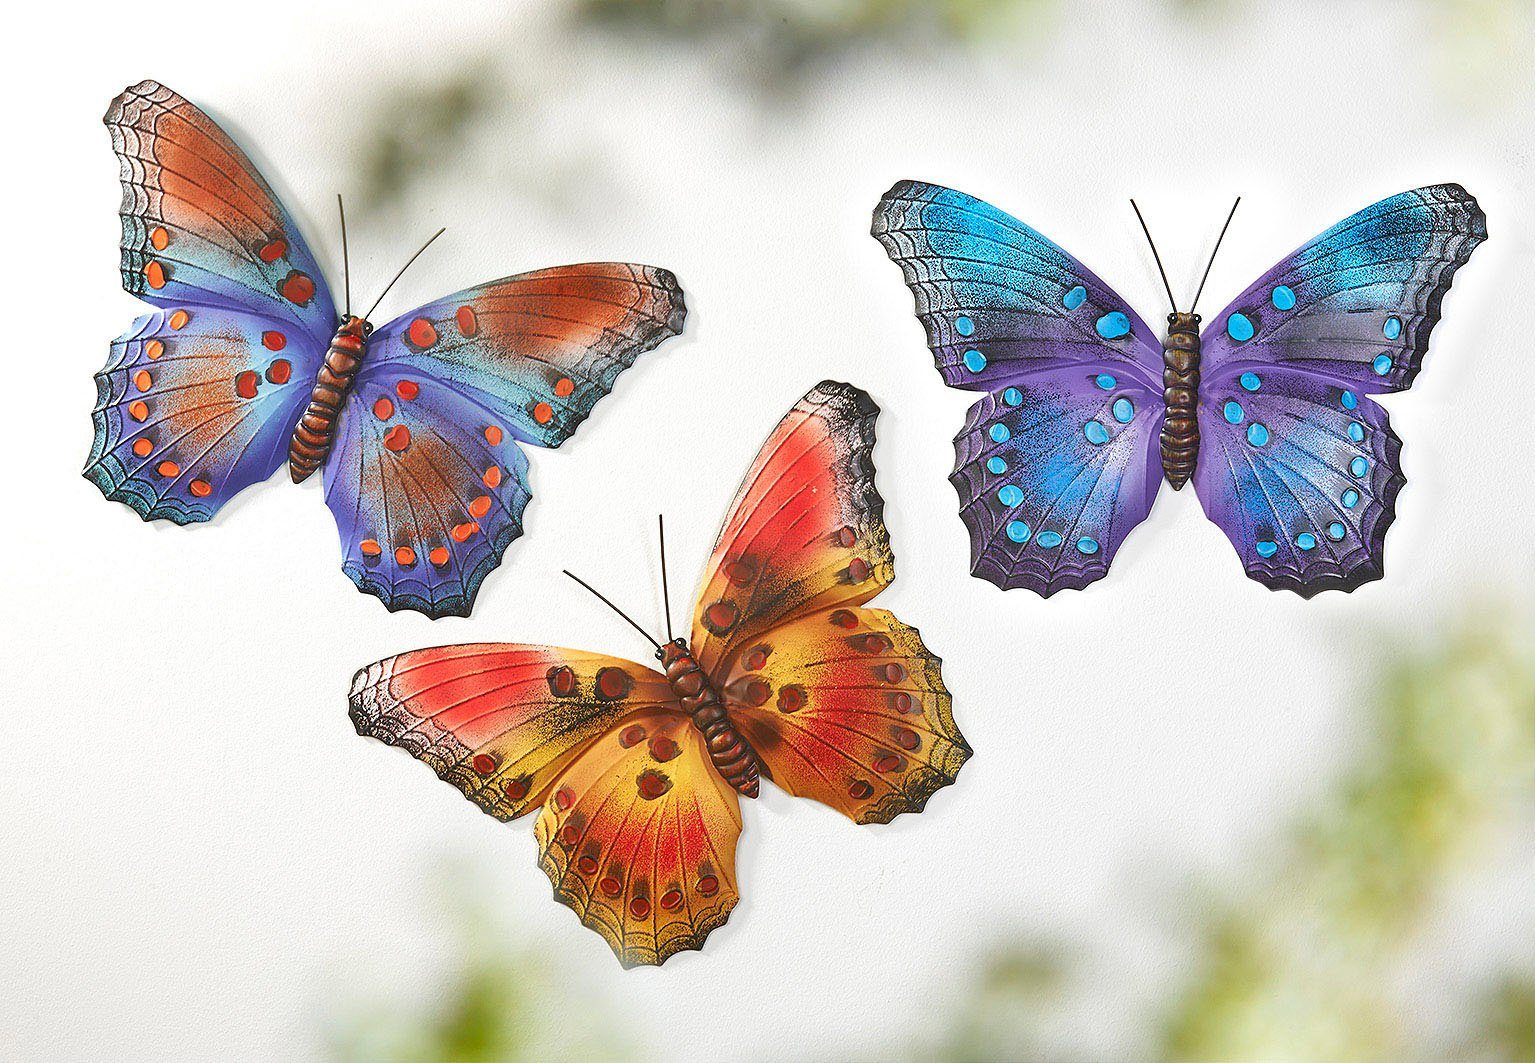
(1053, 473)
(638, 838)
(1298, 466)
(194, 405)
(427, 481)
(848, 708)
(201, 226)
(1057, 456)
(497, 720)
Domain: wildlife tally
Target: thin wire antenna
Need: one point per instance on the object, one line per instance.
(666, 596)
(604, 599)
(1170, 300)
(400, 274)
(346, 262)
(1218, 240)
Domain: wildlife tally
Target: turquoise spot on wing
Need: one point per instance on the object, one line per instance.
(1233, 412)
(1359, 467)
(1381, 365)
(1283, 298)
(1349, 400)
(964, 326)
(1000, 433)
(1113, 325)
(1257, 434)
(1105, 381)
(1087, 546)
(1356, 431)
(996, 466)
(1306, 541)
(1124, 411)
(1392, 328)
(975, 361)
(1336, 531)
(1096, 434)
(1350, 498)
(1239, 328)
(1017, 531)
(1267, 548)
(1010, 496)
(1251, 382)
(1049, 540)
(1012, 396)
(1073, 299)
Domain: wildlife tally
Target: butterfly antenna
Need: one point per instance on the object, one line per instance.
(1170, 300)
(1218, 240)
(346, 262)
(604, 600)
(666, 597)
(400, 274)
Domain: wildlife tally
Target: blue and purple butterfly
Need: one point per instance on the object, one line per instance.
(1268, 410)
(245, 363)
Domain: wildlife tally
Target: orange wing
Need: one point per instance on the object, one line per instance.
(806, 531)
(499, 721)
(848, 707)
(639, 837)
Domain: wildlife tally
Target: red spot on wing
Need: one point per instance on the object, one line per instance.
(246, 384)
(518, 788)
(438, 556)
(407, 390)
(420, 334)
(273, 250)
(468, 323)
(280, 371)
(543, 413)
(200, 488)
(404, 556)
(297, 288)
(273, 340)
(564, 386)
(370, 548)
(397, 438)
(383, 409)
(483, 763)
(168, 469)
(493, 435)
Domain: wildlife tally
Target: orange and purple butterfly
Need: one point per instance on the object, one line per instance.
(635, 773)
(245, 363)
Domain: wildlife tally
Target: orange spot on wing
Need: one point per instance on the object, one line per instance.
(168, 469)
(370, 548)
(142, 380)
(407, 390)
(480, 506)
(272, 251)
(297, 288)
(383, 409)
(138, 411)
(405, 557)
(273, 340)
(159, 239)
(397, 438)
(462, 532)
(492, 476)
(543, 413)
(200, 488)
(493, 436)
(564, 386)
(421, 334)
(468, 323)
(280, 371)
(153, 349)
(178, 320)
(154, 273)
(142, 446)
(439, 556)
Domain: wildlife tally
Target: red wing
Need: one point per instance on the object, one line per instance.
(499, 721)
(806, 531)
(639, 838)
(848, 708)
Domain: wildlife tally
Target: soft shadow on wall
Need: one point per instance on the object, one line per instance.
(1306, 958)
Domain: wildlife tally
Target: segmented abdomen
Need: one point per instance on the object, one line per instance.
(733, 758)
(316, 429)
(1180, 393)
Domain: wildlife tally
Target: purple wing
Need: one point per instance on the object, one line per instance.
(427, 481)
(1057, 463)
(1297, 466)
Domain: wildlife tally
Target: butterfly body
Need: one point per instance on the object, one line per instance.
(315, 432)
(1180, 394)
(730, 753)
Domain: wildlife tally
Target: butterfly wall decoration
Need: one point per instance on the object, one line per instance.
(1267, 410)
(417, 425)
(636, 773)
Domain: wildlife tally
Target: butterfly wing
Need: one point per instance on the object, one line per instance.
(1055, 464)
(194, 405)
(1298, 466)
(639, 837)
(842, 704)
(497, 720)
(201, 227)
(427, 481)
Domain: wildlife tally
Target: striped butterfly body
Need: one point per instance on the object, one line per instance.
(1266, 411)
(636, 774)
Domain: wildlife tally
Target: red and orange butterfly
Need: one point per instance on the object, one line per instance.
(636, 773)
